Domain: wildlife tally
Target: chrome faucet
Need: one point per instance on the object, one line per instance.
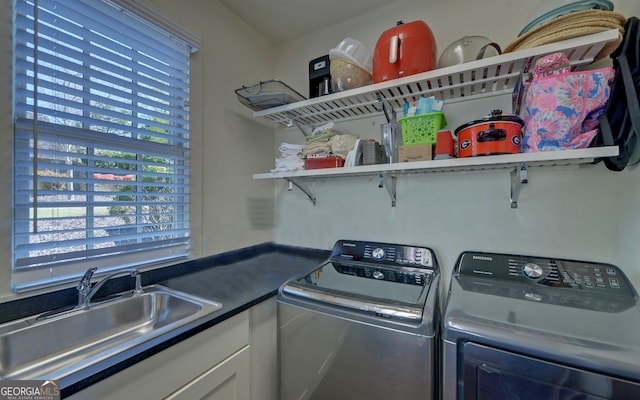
(86, 291)
(84, 286)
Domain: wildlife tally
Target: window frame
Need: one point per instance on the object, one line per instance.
(27, 276)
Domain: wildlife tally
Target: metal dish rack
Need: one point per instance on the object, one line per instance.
(267, 94)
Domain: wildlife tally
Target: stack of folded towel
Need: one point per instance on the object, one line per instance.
(330, 140)
(289, 159)
(326, 141)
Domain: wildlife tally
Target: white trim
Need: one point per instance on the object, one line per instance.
(136, 7)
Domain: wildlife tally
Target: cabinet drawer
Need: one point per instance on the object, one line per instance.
(228, 380)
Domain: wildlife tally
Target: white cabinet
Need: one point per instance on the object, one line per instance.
(264, 350)
(233, 360)
(492, 76)
(214, 364)
(228, 380)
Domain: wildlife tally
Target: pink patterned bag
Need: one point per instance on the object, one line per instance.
(562, 108)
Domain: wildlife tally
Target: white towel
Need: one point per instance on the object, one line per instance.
(288, 163)
(342, 144)
(291, 149)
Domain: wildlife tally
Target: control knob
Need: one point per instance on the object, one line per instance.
(532, 271)
(378, 253)
(426, 258)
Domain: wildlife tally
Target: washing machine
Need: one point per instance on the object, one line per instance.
(363, 325)
(529, 328)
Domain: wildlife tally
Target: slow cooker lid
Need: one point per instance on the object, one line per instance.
(495, 116)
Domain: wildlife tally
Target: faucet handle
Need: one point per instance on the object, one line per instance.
(85, 282)
(138, 277)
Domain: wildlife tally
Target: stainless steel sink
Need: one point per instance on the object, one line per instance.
(59, 344)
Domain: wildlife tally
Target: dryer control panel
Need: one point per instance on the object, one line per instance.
(376, 253)
(575, 283)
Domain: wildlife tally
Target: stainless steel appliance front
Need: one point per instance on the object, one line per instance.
(528, 328)
(361, 326)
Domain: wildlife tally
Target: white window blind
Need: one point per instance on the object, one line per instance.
(101, 149)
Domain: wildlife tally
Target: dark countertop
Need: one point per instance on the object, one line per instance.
(239, 280)
(248, 282)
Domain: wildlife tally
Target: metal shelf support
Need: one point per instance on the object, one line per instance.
(517, 164)
(299, 124)
(389, 181)
(518, 177)
(310, 194)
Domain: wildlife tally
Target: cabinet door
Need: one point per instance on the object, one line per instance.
(169, 370)
(228, 380)
(264, 351)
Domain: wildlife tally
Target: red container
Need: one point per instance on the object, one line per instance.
(444, 145)
(324, 162)
(404, 50)
(495, 134)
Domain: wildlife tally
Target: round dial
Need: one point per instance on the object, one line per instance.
(378, 253)
(532, 271)
(426, 258)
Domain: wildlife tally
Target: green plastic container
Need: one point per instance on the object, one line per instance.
(422, 129)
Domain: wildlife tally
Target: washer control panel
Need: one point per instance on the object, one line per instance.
(397, 275)
(549, 272)
(386, 254)
(578, 284)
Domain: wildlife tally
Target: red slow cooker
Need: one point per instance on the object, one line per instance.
(494, 134)
(406, 49)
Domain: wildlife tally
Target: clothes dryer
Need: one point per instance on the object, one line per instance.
(528, 328)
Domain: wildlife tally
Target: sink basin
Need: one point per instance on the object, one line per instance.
(57, 345)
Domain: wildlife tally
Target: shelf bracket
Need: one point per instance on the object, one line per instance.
(294, 122)
(384, 105)
(389, 181)
(518, 177)
(303, 189)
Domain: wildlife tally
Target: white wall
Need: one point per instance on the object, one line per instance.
(226, 142)
(584, 213)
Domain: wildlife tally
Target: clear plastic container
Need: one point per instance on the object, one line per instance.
(468, 48)
(346, 75)
(354, 52)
